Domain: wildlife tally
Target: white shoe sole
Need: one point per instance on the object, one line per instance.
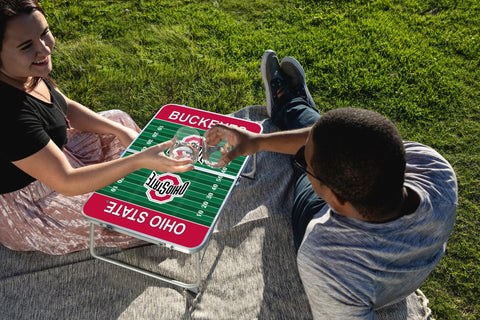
(263, 69)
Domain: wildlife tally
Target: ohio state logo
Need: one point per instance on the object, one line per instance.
(162, 188)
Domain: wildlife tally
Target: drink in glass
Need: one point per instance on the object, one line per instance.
(215, 146)
(187, 144)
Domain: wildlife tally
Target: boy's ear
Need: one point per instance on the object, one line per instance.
(339, 199)
(338, 203)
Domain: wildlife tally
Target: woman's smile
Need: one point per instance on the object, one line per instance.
(42, 62)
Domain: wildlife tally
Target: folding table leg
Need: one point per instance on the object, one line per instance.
(193, 287)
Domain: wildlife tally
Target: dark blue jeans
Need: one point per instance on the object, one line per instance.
(297, 114)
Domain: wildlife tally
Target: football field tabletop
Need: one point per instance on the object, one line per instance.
(177, 210)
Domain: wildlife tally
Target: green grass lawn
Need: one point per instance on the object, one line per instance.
(415, 61)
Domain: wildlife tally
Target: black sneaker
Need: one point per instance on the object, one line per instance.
(297, 84)
(273, 81)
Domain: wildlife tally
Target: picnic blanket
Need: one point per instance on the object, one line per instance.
(248, 271)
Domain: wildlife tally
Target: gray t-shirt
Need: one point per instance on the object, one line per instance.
(351, 268)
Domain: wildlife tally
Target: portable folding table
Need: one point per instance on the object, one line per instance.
(178, 211)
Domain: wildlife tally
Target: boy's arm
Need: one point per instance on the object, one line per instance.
(247, 143)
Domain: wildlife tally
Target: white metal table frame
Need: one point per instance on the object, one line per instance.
(193, 287)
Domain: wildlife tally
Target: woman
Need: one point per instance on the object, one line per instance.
(44, 180)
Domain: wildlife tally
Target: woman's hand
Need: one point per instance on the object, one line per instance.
(154, 158)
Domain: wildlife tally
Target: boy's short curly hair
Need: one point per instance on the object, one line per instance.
(360, 155)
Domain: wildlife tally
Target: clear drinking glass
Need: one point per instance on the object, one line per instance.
(215, 146)
(187, 144)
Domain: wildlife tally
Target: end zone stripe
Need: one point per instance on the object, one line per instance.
(143, 220)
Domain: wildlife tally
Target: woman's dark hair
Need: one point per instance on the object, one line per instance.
(360, 155)
(12, 8)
